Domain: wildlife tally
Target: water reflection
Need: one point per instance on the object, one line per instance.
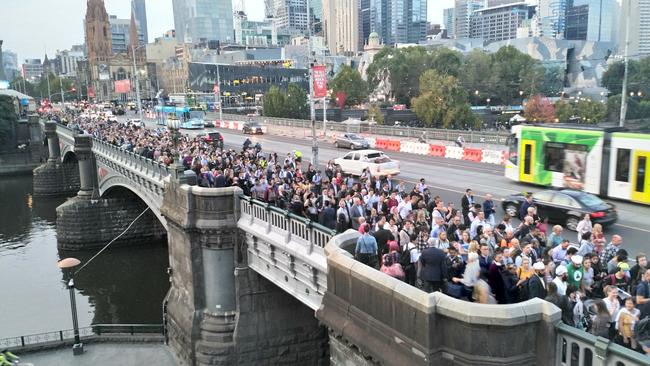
(15, 215)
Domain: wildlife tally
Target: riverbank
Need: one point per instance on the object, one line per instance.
(21, 161)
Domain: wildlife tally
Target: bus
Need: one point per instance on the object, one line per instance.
(169, 111)
(607, 161)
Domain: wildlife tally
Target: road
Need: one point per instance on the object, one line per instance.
(449, 178)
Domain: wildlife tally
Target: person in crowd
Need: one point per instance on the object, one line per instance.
(612, 264)
(637, 271)
(560, 279)
(583, 227)
(619, 279)
(470, 277)
(510, 284)
(598, 238)
(611, 301)
(327, 216)
(586, 246)
(536, 285)
(575, 272)
(366, 249)
(561, 301)
(601, 320)
(523, 210)
(432, 268)
(467, 202)
(391, 267)
(525, 271)
(489, 210)
(555, 237)
(495, 277)
(611, 249)
(643, 295)
(558, 253)
(587, 275)
(625, 320)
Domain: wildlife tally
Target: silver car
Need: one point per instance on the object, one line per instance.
(351, 141)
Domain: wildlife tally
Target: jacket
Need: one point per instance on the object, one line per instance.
(536, 287)
(433, 262)
(328, 218)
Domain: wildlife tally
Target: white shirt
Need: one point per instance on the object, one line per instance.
(561, 285)
(612, 306)
(405, 209)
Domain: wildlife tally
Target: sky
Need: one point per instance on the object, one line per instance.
(33, 27)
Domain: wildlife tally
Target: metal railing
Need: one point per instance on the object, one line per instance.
(61, 336)
(147, 166)
(579, 348)
(487, 137)
(291, 226)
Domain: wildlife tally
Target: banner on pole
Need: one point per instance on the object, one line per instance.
(320, 81)
(122, 86)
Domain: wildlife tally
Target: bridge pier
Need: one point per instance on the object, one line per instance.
(89, 222)
(219, 311)
(55, 178)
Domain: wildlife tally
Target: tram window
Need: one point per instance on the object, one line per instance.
(640, 174)
(528, 150)
(513, 145)
(623, 165)
(554, 157)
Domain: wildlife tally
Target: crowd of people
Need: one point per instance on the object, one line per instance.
(410, 233)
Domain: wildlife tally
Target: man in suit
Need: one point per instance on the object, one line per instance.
(327, 217)
(432, 269)
(382, 235)
(357, 210)
(466, 203)
(536, 284)
(381, 206)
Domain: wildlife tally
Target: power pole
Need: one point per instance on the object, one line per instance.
(621, 121)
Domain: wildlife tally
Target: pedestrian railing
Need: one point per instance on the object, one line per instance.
(286, 224)
(63, 336)
(579, 348)
(487, 137)
(145, 165)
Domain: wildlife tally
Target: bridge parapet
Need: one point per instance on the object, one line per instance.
(286, 249)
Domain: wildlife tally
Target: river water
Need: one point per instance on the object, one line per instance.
(121, 286)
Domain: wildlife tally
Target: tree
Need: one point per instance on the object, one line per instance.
(476, 71)
(539, 109)
(296, 103)
(563, 111)
(589, 111)
(8, 118)
(638, 77)
(513, 71)
(349, 81)
(275, 103)
(443, 102)
(374, 113)
(446, 61)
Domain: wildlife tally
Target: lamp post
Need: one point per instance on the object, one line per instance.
(312, 111)
(178, 174)
(68, 263)
(137, 82)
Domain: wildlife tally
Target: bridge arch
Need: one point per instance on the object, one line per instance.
(115, 186)
(68, 154)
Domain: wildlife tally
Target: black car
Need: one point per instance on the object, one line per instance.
(253, 128)
(565, 207)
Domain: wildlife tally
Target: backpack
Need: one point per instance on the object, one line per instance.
(405, 258)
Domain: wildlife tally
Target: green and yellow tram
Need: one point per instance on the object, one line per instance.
(610, 162)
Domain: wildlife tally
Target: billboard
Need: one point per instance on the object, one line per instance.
(320, 81)
(122, 86)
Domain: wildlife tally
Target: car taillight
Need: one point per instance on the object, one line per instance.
(597, 214)
(221, 137)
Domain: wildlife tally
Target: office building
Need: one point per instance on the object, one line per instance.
(364, 20)
(65, 61)
(291, 16)
(121, 34)
(498, 23)
(341, 25)
(32, 69)
(258, 33)
(399, 21)
(553, 16)
(196, 20)
(463, 10)
(637, 12)
(10, 64)
(139, 9)
(593, 20)
(448, 21)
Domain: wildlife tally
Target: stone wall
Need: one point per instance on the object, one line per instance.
(21, 161)
(56, 179)
(88, 224)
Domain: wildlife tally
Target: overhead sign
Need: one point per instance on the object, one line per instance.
(122, 86)
(103, 72)
(320, 81)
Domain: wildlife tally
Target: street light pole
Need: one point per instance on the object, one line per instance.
(137, 82)
(219, 92)
(312, 111)
(621, 121)
(62, 93)
(69, 263)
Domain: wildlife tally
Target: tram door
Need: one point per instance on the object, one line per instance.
(640, 177)
(527, 161)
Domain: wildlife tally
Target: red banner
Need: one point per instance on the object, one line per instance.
(122, 86)
(91, 92)
(320, 81)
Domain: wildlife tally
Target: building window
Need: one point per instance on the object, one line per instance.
(554, 157)
(623, 165)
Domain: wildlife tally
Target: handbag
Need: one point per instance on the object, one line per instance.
(454, 290)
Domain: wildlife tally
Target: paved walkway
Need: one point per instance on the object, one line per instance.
(105, 354)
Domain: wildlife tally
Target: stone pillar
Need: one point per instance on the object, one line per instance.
(35, 135)
(83, 145)
(52, 142)
(55, 178)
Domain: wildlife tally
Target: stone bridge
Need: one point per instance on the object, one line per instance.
(255, 285)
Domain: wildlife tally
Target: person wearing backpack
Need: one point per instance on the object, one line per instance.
(409, 257)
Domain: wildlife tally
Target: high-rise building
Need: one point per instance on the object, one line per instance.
(448, 21)
(10, 63)
(637, 12)
(197, 20)
(593, 20)
(498, 23)
(121, 34)
(463, 10)
(32, 69)
(399, 21)
(291, 16)
(65, 62)
(552, 14)
(341, 25)
(139, 8)
(98, 32)
(364, 20)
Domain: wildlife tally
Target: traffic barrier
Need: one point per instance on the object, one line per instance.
(437, 150)
(393, 145)
(236, 125)
(472, 154)
(408, 147)
(381, 143)
(371, 142)
(453, 152)
(421, 149)
(493, 157)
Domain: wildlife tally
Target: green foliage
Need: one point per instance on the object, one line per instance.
(349, 81)
(638, 77)
(8, 118)
(563, 111)
(275, 103)
(583, 111)
(374, 113)
(296, 103)
(636, 109)
(475, 73)
(443, 102)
